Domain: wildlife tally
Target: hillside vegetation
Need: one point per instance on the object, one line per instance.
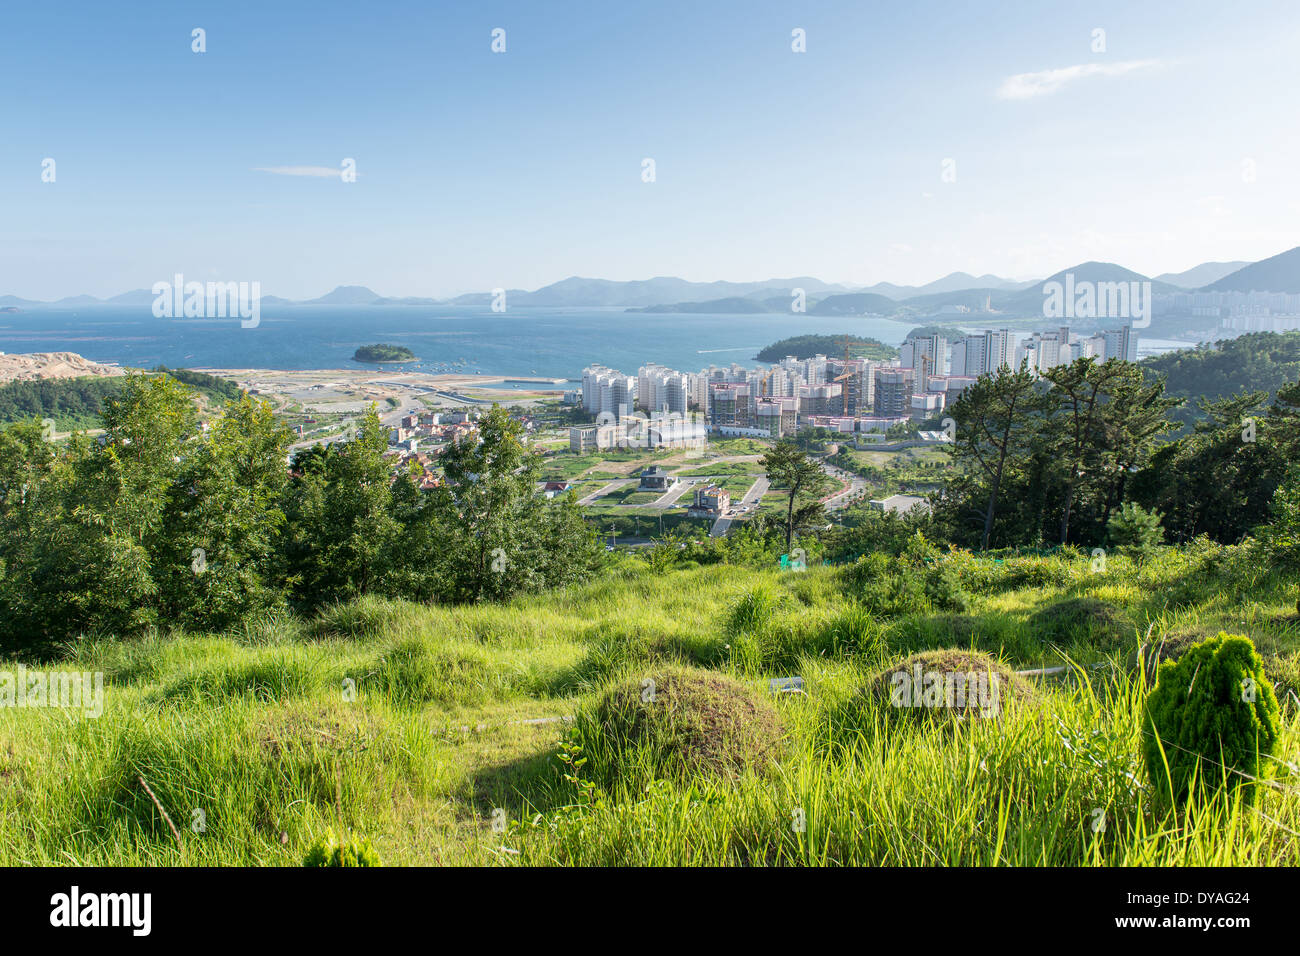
(1249, 364)
(329, 662)
(419, 727)
(78, 403)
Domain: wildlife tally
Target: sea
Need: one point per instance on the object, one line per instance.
(553, 343)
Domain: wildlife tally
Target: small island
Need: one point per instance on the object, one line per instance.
(383, 353)
(806, 346)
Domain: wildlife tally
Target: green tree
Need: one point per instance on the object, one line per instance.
(487, 533)
(341, 531)
(1135, 530)
(1281, 536)
(1218, 479)
(790, 468)
(996, 421)
(220, 558)
(100, 518)
(1077, 408)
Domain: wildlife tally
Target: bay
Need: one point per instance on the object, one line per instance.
(540, 342)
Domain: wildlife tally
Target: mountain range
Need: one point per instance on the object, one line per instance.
(1280, 273)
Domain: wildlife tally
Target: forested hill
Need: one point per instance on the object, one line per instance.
(832, 346)
(77, 403)
(1254, 362)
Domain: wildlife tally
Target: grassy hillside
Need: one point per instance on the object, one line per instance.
(259, 729)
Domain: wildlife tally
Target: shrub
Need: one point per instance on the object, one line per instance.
(676, 723)
(1281, 537)
(1212, 715)
(916, 582)
(329, 851)
(943, 588)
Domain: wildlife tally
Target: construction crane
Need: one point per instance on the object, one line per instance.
(848, 374)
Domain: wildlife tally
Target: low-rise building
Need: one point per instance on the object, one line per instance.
(553, 488)
(710, 500)
(655, 478)
(900, 504)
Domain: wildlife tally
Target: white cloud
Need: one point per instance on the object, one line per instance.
(323, 172)
(1024, 86)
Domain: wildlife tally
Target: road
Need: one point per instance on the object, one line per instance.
(844, 498)
(752, 497)
(389, 419)
(607, 489)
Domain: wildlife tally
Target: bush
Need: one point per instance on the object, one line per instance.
(329, 851)
(677, 723)
(1281, 537)
(943, 588)
(1212, 715)
(919, 581)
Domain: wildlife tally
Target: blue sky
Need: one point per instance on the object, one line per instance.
(1178, 144)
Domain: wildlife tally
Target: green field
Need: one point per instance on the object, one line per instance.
(725, 468)
(255, 728)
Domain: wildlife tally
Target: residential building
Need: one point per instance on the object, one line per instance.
(894, 390)
(1121, 343)
(711, 500)
(777, 417)
(655, 478)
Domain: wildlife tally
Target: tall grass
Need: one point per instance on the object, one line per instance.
(411, 724)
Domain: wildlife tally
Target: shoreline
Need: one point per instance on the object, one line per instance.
(468, 379)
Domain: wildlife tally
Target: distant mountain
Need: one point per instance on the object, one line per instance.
(1279, 273)
(134, 297)
(1201, 275)
(662, 290)
(345, 295)
(739, 305)
(941, 297)
(1030, 300)
(405, 300)
(936, 302)
(485, 298)
(855, 303)
(953, 282)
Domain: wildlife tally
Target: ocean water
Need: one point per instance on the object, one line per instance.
(555, 343)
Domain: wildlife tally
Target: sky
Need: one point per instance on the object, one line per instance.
(907, 141)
